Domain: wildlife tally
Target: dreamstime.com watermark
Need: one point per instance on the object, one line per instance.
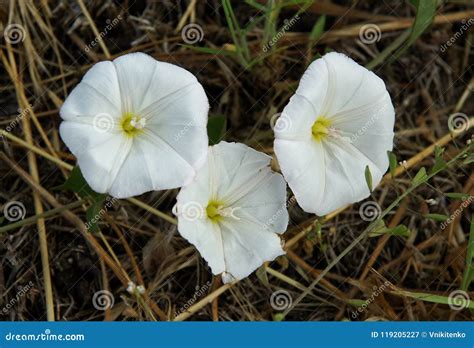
(377, 291)
(464, 204)
(18, 118)
(288, 24)
(183, 131)
(109, 203)
(22, 291)
(110, 25)
(464, 27)
(281, 211)
(44, 336)
(200, 292)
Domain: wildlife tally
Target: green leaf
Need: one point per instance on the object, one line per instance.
(455, 195)
(420, 177)
(318, 29)
(378, 228)
(392, 160)
(93, 215)
(278, 317)
(437, 217)
(400, 230)
(368, 178)
(438, 151)
(76, 183)
(425, 12)
(262, 275)
(216, 128)
(440, 164)
(468, 275)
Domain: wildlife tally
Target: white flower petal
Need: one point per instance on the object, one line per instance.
(303, 165)
(264, 207)
(92, 150)
(345, 176)
(206, 236)
(98, 93)
(245, 249)
(236, 170)
(296, 120)
(328, 173)
(254, 210)
(134, 72)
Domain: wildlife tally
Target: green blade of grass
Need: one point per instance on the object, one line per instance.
(425, 12)
(240, 41)
(469, 271)
(429, 297)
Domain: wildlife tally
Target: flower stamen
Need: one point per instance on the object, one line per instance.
(213, 211)
(132, 124)
(321, 128)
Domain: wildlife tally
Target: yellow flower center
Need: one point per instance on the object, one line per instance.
(214, 210)
(320, 128)
(132, 124)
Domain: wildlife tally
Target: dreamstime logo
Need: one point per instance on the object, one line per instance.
(369, 211)
(458, 122)
(191, 211)
(192, 33)
(14, 211)
(280, 122)
(103, 300)
(14, 33)
(103, 122)
(370, 33)
(281, 300)
(458, 300)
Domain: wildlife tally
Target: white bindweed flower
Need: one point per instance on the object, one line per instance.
(339, 121)
(234, 210)
(135, 125)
